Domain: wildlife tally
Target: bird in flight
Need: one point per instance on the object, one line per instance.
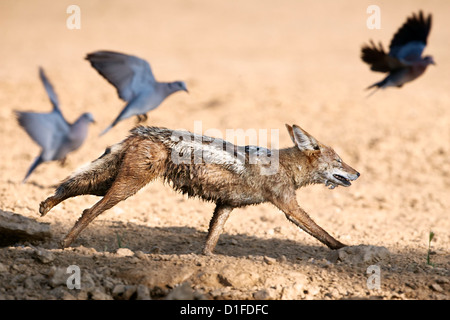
(135, 83)
(404, 62)
(51, 131)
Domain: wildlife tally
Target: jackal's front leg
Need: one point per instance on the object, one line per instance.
(300, 218)
(221, 214)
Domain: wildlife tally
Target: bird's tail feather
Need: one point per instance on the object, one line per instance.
(33, 166)
(373, 91)
(377, 86)
(106, 130)
(119, 118)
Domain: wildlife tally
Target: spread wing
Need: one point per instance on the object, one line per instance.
(50, 91)
(130, 75)
(378, 59)
(410, 40)
(47, 129)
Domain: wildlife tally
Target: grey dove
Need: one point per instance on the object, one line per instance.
(56, 137)
(135, 83)
(404, 62)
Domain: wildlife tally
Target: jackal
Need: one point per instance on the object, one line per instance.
(230, 176)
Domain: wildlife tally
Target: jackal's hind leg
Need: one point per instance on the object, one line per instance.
(88, 215)
(46, 205)
(127, 183)
(221, 214)
(74, 187)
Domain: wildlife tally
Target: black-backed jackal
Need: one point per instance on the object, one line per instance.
(215, 170)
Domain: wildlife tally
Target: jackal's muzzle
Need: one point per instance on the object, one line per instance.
(341, 179)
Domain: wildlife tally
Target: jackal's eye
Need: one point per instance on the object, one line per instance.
(338, 160)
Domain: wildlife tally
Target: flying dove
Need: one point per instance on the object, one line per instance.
(135, 83)
(404, 62)
(51, 131)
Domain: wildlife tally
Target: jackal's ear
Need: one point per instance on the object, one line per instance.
(302, 139)
(291, 132)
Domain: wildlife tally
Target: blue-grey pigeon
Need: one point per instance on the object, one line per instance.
(404, 62)
(135, 83)
(51, 131)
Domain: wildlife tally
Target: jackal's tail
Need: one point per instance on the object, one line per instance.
(97, 177)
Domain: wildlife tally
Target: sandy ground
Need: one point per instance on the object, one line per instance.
(252, 65)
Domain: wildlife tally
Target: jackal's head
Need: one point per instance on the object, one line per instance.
(324, 164)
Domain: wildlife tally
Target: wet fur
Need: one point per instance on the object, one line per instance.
(226, 177)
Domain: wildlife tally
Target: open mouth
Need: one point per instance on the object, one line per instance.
(344, 181)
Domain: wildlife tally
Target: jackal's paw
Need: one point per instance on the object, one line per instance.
(207, 252)
(338, 245)
(359, 255)
(44, 207)
(65, 243)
